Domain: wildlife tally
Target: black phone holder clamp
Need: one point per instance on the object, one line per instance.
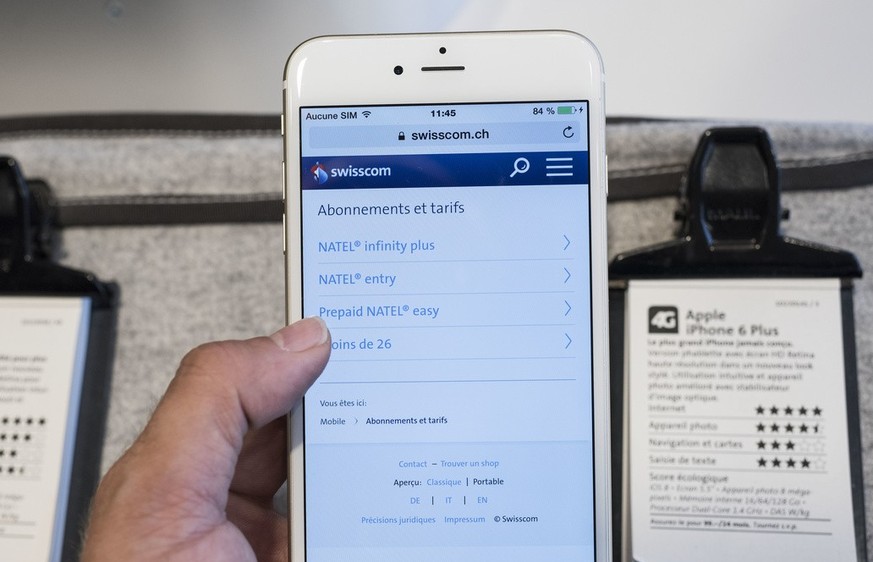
(30, 241)
(28, 217)
(731, 214)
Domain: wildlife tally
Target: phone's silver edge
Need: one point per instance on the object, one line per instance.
(600, 327)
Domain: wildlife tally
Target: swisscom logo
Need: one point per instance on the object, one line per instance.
(321, 174)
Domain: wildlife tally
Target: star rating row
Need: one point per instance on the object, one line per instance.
(14, 437)
(776, 462)
(788, 411)
(776, 445)
(6, 420)
(788, 428)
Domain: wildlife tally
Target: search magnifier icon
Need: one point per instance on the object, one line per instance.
(521, 166)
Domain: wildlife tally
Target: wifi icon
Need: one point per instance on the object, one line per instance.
(366, 113)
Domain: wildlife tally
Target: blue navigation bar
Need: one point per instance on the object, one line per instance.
(442, 170)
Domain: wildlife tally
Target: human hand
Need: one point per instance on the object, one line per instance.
(198, 483)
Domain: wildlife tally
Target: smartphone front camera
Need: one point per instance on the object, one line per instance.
(442, 50)
(398, 70)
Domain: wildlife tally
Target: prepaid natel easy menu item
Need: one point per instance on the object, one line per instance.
(735, 347)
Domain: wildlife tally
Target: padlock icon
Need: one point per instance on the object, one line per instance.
(401, 136)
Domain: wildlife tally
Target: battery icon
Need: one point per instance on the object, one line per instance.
(566, 110)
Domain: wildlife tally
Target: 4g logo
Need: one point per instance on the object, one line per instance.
(663, 320)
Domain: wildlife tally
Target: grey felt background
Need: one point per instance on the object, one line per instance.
(184, 285)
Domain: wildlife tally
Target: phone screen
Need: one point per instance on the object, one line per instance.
(448, 249)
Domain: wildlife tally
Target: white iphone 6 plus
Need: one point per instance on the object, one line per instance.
(445, 215)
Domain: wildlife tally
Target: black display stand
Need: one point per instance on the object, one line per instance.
(730, 215)
(27, 269)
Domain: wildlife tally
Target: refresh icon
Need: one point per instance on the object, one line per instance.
(569, 133)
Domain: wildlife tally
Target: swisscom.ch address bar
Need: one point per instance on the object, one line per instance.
(456, 134)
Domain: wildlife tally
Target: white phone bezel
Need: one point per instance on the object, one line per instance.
(514, 66)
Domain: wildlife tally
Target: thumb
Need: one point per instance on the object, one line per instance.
(172, 484)
(224, 389)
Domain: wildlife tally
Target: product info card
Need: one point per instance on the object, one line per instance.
(737, 416)
(42, 354)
